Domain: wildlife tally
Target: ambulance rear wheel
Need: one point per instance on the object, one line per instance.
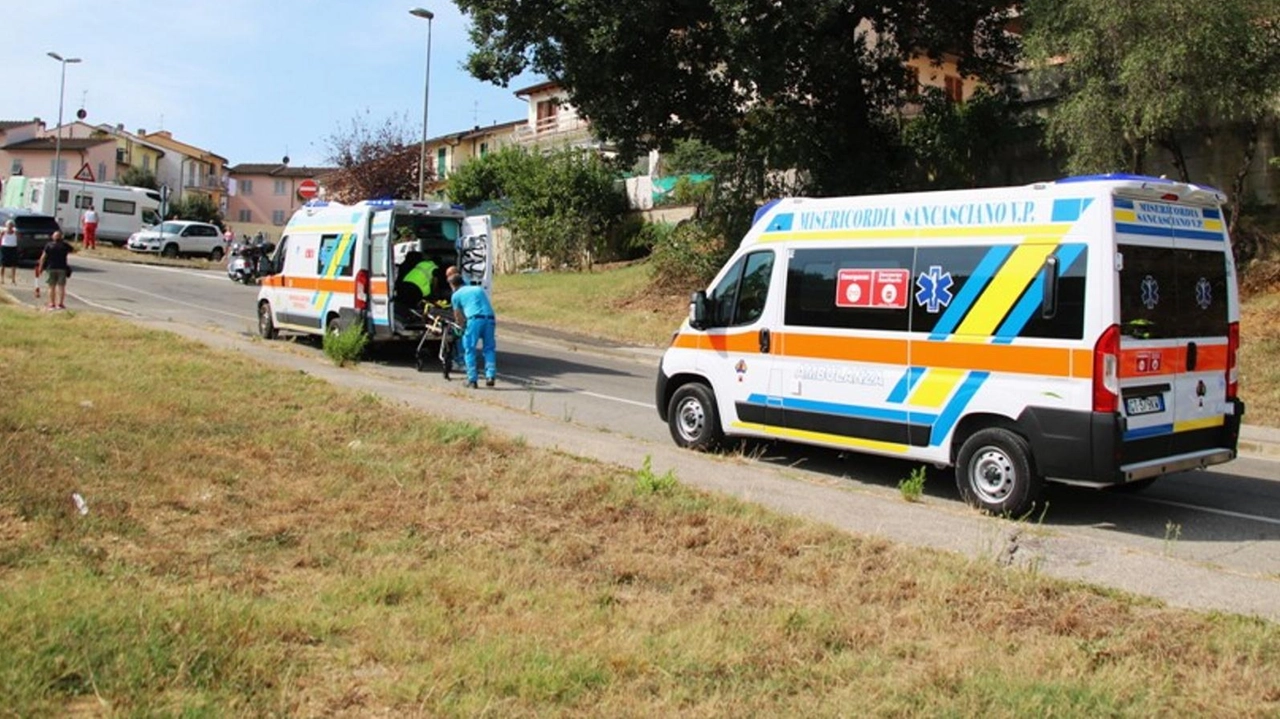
(693, 418)
(994, 473)
(266, 325)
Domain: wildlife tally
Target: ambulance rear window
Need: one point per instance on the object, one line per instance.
(1167, 292)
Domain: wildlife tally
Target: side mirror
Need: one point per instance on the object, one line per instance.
(698, 310)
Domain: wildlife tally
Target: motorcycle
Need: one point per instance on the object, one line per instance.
(250, 260)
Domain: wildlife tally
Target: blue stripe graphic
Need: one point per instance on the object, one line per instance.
(1124, 204)
(973, 287)
(1212, 214)
(1070, 210)
(1144, 432)
(905, 385)
(1031, 299)
(843, 410)
(1176, 232)
(951, 413)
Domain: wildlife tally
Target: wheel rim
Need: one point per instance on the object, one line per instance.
(691, 420)
(992, 475)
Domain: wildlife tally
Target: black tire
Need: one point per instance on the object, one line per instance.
(448, 348)
(216, 254)
(170, 251)
(994, 473)
(266, 325)
(693, 419)
(333, 326)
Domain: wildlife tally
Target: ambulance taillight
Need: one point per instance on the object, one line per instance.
(362, 291)
(1106, 371)
(1233, 348)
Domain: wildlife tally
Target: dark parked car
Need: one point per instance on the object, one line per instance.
(34, 231)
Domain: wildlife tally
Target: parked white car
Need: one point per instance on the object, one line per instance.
(177, 238)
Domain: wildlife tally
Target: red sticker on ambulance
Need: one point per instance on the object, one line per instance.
(874, 289)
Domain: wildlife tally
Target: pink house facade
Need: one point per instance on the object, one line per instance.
(28, 149)
(263, 196)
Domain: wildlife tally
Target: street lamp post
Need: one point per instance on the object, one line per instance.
(426, 98)
(57, 141)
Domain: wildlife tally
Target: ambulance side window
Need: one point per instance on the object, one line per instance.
(740, 296)
(817, 297)
(277, 262)
(329, 246)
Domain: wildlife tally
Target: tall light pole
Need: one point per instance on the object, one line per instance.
(426, 99)
(57, 142)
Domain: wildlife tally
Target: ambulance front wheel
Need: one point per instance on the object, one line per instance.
(693, 418)
(994, 473)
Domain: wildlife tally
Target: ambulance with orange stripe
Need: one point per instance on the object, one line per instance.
(337, 265)
(1083, 331)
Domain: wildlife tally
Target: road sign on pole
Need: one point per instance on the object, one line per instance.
(85, 174)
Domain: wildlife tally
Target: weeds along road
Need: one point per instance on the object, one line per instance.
(1206, 539)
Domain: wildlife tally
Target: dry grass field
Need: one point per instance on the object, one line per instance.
(255, 542)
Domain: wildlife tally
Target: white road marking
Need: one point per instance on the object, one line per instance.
(537, 384)
(615, 399)
(171, 300)
(202, 274)
(108, 308)
(1210, 510)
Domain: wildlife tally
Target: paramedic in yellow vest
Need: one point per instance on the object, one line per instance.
(423, 276)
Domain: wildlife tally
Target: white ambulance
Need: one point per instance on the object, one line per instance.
(338, 265)
(1083, 331)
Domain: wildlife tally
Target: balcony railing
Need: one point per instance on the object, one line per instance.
(560, 128)
(205, 184)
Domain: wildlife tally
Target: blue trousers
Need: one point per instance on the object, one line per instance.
(479, 331)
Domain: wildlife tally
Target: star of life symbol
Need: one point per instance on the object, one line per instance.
(1150, 292)
(1204, 293)
(934, 289)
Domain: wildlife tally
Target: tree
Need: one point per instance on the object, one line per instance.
(374, 160)
(196, 206)
(1138, 76)
(811, 86)
(135, 176)
(956, 145)
(563, 206)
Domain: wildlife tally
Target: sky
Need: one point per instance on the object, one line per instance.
(252, 80)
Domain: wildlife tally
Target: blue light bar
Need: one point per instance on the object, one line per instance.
(381, 203)
(1116, 176)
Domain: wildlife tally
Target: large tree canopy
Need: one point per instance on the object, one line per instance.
(807, 85)
(1136, 76)
(374, 160)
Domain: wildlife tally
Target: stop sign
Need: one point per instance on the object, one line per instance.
(308, 189)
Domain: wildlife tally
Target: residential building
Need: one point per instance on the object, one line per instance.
(131, 150)
(188, 169)
(447, 153)
(263, 196)
(28, 148)
(552, 121)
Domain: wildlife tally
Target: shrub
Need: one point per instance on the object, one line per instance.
(913, 486)
(345, 346)
(688, 257)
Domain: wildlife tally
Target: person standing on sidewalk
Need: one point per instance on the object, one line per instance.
(89, 227)
(9, 253)
(472, 310)
(53, 265)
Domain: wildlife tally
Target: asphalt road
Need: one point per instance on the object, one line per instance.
(1227, 517)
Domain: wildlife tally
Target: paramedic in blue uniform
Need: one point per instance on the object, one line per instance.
(472, 310)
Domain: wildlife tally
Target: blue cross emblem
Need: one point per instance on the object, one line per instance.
(1150, 292)
(934, 289)
(1204, 293)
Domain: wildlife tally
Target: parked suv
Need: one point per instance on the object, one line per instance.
(179, 238)
(34, 231)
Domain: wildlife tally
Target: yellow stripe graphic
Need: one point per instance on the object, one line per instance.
(821, 437)
(921, 233)
(1125, 216)
(1005, 289)
(935, 387)
(331, 271)
(1193, 424)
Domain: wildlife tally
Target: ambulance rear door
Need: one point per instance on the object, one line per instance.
(1176, 293)
(381, 268)
(474, 254)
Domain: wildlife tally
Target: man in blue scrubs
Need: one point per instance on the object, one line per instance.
(472, 310)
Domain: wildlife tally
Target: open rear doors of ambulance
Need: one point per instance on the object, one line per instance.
(475, 253)
(1178, 330)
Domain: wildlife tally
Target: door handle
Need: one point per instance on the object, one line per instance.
(764, 341)
(1192, 352)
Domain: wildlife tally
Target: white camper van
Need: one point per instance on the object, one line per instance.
(122, 210)
(338, 265)
(1084, 330)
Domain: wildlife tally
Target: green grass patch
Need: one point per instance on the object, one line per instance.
(1259, 348)
(283, 548)
(613, 303)
(346, 346)
(912, 486)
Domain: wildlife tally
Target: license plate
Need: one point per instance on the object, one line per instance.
(42, 237)
(1151, 404)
